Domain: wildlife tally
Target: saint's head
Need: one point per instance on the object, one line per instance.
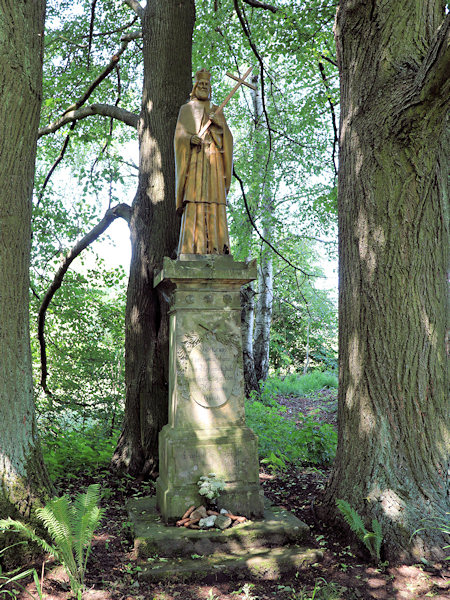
(202, 85)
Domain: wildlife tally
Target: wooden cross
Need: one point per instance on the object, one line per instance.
(240, 81)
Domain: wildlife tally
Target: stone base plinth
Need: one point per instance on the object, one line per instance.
(230, 453)
(206, 432)
(265, 549)
(277, 528)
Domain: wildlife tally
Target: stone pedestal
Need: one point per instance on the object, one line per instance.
(206, 432)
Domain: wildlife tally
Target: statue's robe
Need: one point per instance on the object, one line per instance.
(203, 178)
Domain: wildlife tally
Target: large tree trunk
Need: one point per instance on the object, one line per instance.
(263, 312)
(167, 32)
(23, 479)
(393, 450)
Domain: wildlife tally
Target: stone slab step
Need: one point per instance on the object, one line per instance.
(153, 537)
(267, 564)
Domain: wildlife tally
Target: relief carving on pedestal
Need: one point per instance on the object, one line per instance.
(209, 370)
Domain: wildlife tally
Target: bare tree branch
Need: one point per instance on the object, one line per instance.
(333, 115)
(241, 183)
(109, 68)
(72, 114)
(133, 35)
(135, 5)
(284, 135)
(121, 210)
(328, 59)
(112, 31)
(49, 39)
(111, 128)
(91, 31)
(246, 30)
(130, 163)
(258, 4)
(34, 292)
(106, 110)
(112, 63)
(297, 309)
(56, 163)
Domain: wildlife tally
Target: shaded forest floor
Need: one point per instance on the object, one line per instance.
(346, 572)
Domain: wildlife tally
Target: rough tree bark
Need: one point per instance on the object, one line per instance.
(23, 479)
(167, 34)
(393, 450)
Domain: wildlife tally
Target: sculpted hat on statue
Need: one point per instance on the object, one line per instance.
(203, 74)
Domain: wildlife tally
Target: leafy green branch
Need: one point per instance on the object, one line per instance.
(74, 112)
(241, 183)
(121, 210)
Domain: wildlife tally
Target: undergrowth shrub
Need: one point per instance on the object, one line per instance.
(310, 442)
(67, 452)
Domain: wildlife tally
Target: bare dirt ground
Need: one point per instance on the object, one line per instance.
(345, 573)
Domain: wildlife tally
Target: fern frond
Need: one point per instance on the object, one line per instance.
(71, 528)
(96, 517)
(371, 539)
(352, 518)
(56, 517)
(84, 503)
(376, 527)
(30, 534)
(76, 584)
(369, 543)
(85, 519)
(92, 521)
(82, 544)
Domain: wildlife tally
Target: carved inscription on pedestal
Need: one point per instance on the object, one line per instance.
(208, 368)
(191, 462)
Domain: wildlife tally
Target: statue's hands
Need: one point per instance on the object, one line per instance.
(195, 140)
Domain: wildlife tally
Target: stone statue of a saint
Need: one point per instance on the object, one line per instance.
(203, 172)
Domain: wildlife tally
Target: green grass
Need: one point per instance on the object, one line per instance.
(281, 439)
(298, 385)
